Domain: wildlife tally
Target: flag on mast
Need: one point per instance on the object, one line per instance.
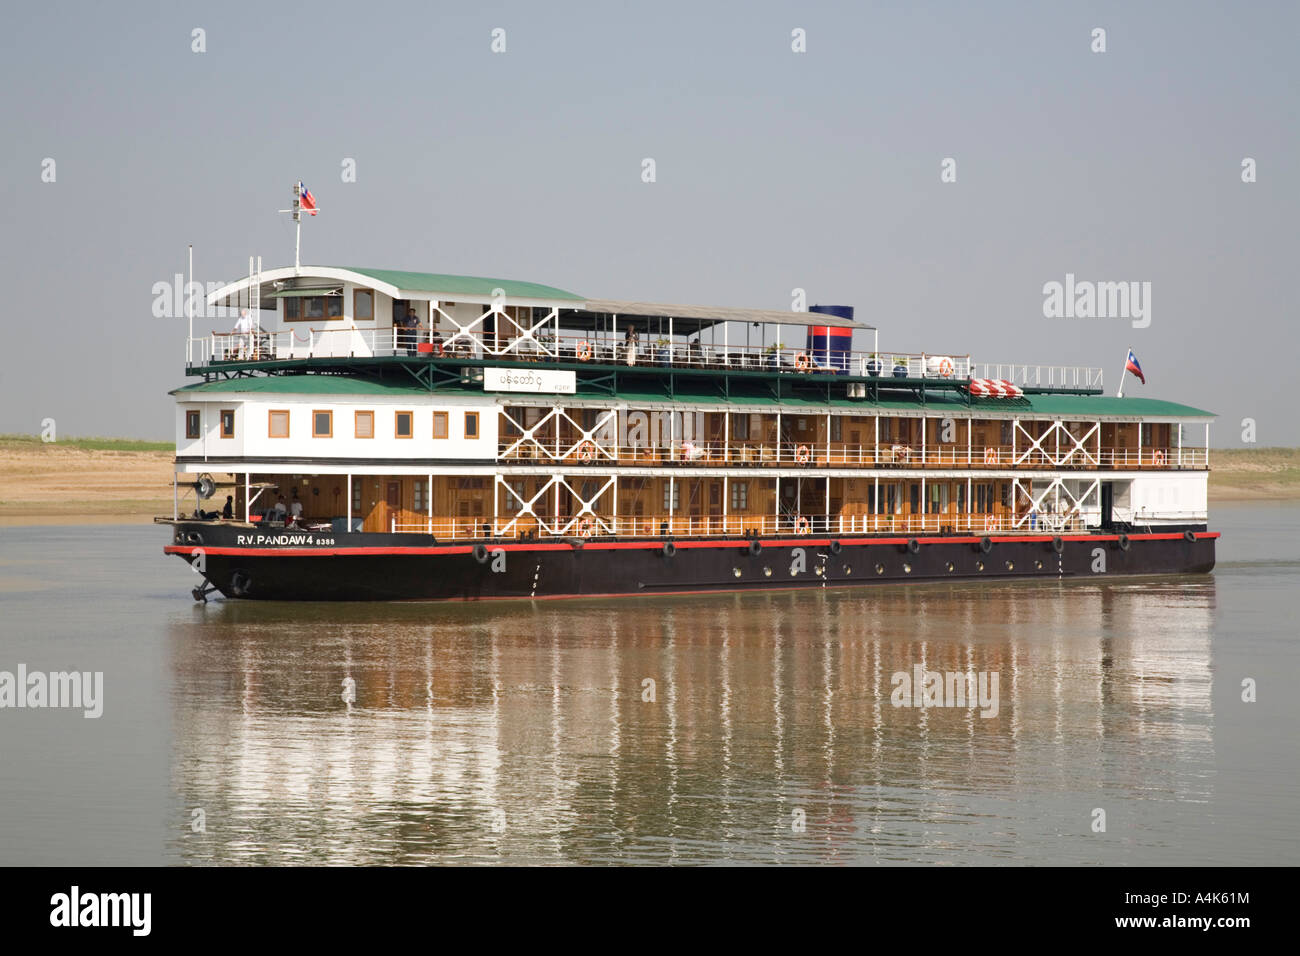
(1130, 366)
(309, 202)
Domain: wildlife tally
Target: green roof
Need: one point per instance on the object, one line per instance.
(463, 285)
(1062, 406)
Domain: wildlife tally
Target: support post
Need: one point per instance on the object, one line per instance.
(349, 493)
(777, 516)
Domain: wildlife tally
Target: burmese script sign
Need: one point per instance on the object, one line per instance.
(556, 381)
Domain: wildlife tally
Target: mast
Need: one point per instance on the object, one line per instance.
(296, 212)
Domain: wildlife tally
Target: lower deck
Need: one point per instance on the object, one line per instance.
(539, 506)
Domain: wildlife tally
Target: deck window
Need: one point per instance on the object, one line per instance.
(439, 424)
(739, 495)
(322, 307)
(193, 426)
(740, 427)
(471, 424)
(313, 307)
(676, 500)
(227, 423)
(278, 423)
(322, 424)
(363, 304)
(511, 503)
(402, 424)
(418, 501)
(365, 425)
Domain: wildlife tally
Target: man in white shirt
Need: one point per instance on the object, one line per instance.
(295, 508)
(244, 327)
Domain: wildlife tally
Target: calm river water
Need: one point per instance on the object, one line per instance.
(751, 728)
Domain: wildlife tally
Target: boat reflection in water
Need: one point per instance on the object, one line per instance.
(743, 727)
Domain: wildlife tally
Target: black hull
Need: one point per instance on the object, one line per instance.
(306, 566)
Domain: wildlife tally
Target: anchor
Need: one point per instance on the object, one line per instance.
(201, 592)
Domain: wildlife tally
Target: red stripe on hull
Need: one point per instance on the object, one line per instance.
(654, 545)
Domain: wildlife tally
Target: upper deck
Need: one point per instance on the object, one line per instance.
(445, 329)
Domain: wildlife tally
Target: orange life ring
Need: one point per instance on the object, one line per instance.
(945, 367)
(802, 454)
(587, 451)
(584, 527)
(990, 456)
(802, 362)
(991, 523)
(802, 526)
(584, 351)
(1159, 457)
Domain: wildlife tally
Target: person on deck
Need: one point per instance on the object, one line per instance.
(228, 511)
(244, 328)
(295, 508)
(281, 509)
(412, 326)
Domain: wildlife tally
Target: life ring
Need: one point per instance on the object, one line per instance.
(945, 367)
(1058, 544)
(1123, 542)
(802, 525)
(986, 544)
(836, 547)
(1159, 457)
(587, 451)
(991, 523)
(913, 546)
(481, 554)
(669, 549)
(755, 548)
(990, 456)
(802, 454)
(802, 362)
(584, 527)
(584, 351)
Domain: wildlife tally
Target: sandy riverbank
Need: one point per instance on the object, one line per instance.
(71, 484)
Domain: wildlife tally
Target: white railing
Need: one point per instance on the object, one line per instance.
(840, 454)
(696, 526)
(326, 342)
(1042, 376)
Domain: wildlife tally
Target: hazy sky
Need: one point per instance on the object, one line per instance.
(775, 170)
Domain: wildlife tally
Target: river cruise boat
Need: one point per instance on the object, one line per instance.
(374, 434)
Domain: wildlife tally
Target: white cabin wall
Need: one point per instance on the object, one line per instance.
(252, 428)
(1172, 498)
(209, 443)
